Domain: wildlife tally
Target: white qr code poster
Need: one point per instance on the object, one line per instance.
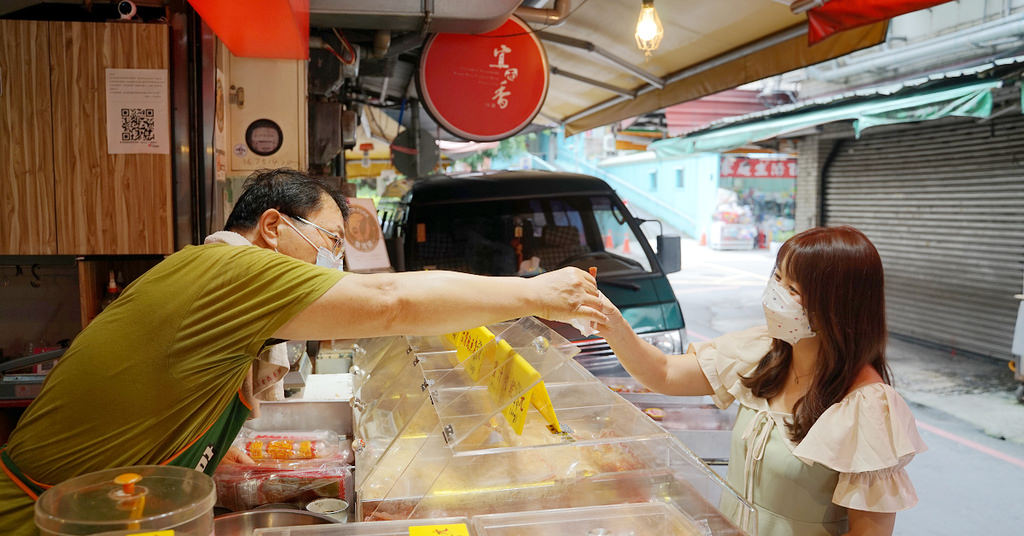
(137, 111)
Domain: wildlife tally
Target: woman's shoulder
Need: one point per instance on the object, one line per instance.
(727, 359)
(871, 428)
(748, 345)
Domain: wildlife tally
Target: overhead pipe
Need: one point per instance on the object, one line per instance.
(549, 17)
(803, 6)
(592, 82)
(381, 43)
(1005, 27)
(612, 58)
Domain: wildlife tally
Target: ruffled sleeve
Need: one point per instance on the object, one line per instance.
(726, 359)
(869, 437)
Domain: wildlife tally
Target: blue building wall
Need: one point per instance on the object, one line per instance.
(680, 192)
(649, 183)
(645, 182)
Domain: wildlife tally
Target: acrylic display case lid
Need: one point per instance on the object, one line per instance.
(633, 519)
(404, 527)
(447, 447)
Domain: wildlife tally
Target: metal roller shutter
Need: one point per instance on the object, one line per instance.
(944, 204)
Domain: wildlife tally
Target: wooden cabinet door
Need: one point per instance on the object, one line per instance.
(107, 204)
(29, 225)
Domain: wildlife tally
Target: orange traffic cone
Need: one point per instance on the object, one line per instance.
(703, 239)
(608, 243)
(625, 245)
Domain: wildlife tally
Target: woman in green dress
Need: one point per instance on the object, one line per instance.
(821, 437)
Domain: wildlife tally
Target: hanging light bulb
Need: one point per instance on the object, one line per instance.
(648, 28)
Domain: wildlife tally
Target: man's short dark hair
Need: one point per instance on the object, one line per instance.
(289, 191)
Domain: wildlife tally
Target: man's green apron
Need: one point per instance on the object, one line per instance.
(203, 454)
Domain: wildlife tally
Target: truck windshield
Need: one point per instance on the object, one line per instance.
(525, 236)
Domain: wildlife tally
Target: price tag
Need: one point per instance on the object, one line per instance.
(510, 373)
(458, 529)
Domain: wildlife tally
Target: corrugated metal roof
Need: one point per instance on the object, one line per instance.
(693, 115)
(859, 94)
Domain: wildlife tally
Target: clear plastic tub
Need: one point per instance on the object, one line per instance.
(129, 500)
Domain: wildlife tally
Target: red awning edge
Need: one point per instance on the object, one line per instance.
(265, 29)
(839, 15)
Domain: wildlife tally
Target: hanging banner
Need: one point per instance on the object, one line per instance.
(138, 120)
(364, 242)
(484, 87)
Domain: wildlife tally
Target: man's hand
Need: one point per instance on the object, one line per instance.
(567, 294)
(236, 455)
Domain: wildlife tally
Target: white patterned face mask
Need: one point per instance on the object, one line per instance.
(787, 319)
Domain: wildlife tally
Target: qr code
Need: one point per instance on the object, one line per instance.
(137, 124)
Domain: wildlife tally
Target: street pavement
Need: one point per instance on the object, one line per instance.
(971, 480)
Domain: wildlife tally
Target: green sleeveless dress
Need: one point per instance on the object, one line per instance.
(853, 457)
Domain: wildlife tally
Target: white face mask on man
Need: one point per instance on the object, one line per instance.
(787, 319)
(324, 257)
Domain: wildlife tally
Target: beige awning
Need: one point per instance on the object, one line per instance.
(709, 46)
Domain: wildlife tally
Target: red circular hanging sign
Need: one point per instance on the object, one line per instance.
(484, 87)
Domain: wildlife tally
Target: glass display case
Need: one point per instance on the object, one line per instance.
(694, 420)
(513, 424)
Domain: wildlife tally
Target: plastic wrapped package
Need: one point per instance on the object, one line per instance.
(291, 467)
(280, 446)
(242, 487)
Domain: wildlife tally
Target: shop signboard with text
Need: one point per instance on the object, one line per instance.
(745, 167)
(484, 87)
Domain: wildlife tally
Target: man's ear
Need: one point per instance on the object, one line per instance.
(267, 227)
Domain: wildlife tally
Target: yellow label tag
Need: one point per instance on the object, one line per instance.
(458, 529)
(157, 533)
(510, 373)
(469, 342)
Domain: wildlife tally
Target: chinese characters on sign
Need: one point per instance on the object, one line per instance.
(758, 168)
(484, 87)
(509, 74)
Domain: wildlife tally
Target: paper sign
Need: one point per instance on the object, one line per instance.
(507, 373)
(364, 241)
(137, 111)
(220, 137)
(458, 529)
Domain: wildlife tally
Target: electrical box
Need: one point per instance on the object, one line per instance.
(267, 114)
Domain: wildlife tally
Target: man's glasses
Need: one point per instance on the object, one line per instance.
(337, 242)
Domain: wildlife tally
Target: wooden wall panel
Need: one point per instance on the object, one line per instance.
(106, 204)
(29, 224)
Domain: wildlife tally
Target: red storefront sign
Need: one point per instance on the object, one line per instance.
(742, 167)
(484, 87)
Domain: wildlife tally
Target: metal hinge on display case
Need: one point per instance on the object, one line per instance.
(449, 433)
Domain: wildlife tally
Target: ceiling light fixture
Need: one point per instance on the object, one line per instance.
(648, 28)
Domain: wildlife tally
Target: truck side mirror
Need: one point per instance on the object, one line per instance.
(670, 253)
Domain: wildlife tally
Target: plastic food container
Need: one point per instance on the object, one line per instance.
(129, 500)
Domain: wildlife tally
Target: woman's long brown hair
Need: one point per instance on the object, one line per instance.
(842, 289)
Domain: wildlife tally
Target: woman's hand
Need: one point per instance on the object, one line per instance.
(568, 294)
(616, 327)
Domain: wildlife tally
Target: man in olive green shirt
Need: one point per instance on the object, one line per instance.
(156, 378)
